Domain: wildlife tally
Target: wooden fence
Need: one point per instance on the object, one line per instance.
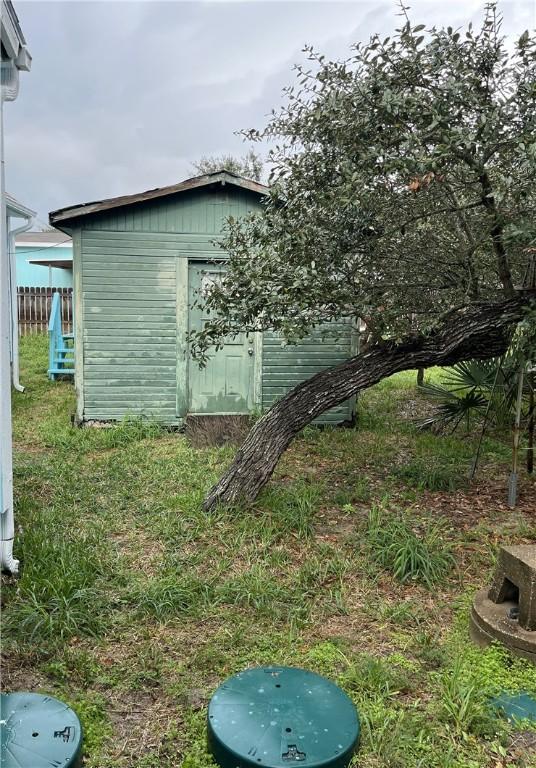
(34, 309)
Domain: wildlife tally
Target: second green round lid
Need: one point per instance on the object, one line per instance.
(273, 716)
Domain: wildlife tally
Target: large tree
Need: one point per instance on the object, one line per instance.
(403, 192)
(249, 165)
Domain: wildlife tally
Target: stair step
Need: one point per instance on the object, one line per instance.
(64, 350)
(62, 371)
(68, 335)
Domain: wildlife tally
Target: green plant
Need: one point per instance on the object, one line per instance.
(249, 165)
(370, 675)
(170, 596)
(96, 727)
(76, 665)
(57, 595)
(431, 473)
(327, 657)
(396, 546)
(472, 390)
(453, 408)
(429, 648)
(197, 755)
(399, 194)
(291, 510)
(463, 704)
(129, 430)
(261, 591)
(178, 600)
(54, 615)
(401, 613)
(492, 670)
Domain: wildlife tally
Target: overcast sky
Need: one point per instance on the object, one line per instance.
(123, 96)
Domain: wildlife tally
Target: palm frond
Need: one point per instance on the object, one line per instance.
(454, 409)
(473, 374)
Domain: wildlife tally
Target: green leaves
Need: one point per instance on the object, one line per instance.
(477, 388)
(250, 165)
(524, 39)
(406, 175)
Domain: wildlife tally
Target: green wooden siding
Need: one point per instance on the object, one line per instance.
(200, 212)
(131, 307)
(129, 326)
(285, 366)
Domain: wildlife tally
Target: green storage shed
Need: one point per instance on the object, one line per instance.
(138, 262)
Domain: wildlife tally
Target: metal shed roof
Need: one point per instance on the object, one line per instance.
(49, 238)
(59, 263)
(64, 215)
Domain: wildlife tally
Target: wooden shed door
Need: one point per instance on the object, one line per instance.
(225, 384)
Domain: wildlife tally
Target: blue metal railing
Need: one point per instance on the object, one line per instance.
(60, 348)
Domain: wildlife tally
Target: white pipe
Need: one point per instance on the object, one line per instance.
(14, 307)
(10, 80)
(7, 524)
(18, 58)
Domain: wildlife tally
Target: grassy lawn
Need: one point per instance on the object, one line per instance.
(133, 604)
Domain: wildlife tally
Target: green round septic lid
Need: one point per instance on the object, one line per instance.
(273, 716)
(38, 732)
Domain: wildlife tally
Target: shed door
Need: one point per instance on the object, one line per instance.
(225, 384)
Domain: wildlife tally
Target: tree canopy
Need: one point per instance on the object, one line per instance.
(250, 165)
(402, 188)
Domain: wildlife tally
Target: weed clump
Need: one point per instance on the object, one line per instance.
(431, 474)
(57, 595)
(394, 544)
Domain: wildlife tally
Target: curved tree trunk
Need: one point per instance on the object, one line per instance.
(481, 331)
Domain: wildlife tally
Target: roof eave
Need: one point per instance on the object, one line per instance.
(18, 210)
(77, 211)
(12, 37)
(57, 263)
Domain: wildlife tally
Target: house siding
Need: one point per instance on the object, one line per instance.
(38, 276)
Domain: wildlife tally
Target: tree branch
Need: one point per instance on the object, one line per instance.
(496, 232)
(481, 331)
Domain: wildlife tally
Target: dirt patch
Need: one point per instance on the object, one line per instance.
(21, 677)
(177, 641)
(142, 552)
(142, 722)
(415, 409)
(484, 499)
(205, 431)
(26, 448)
(522, 748)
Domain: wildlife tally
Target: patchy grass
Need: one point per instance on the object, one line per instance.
(133, 604)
